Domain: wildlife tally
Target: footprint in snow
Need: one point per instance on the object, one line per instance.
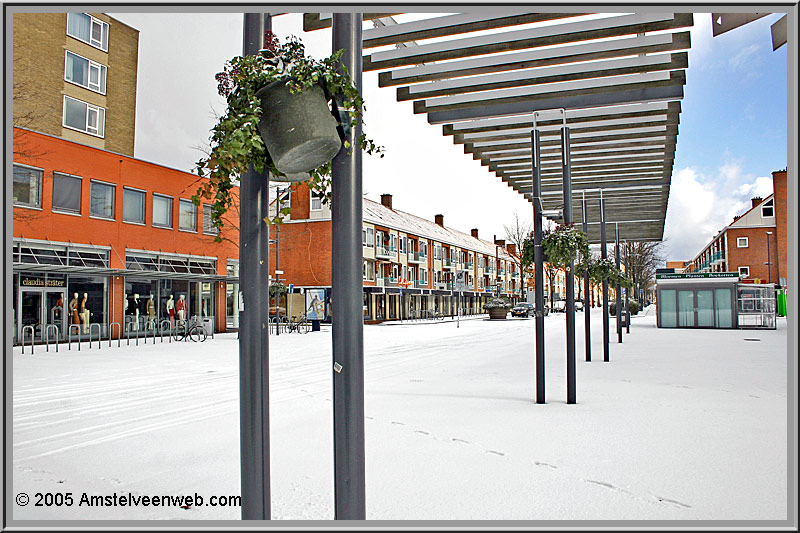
(420, 431)
(673, 502)
(548, 465)
(461, 440)
(397, 423)
(496, 453)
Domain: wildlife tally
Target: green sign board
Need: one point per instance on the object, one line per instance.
(699, 275)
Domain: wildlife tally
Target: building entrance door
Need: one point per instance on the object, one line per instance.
(42, 308)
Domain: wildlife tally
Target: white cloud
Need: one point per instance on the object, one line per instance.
(744, 58)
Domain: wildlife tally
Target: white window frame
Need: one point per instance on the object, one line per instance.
(366, 270)
(40, 187)
(144, 206)
(211, 230)
(181, 228)
(65, 210)
(769, 204)
(316, 199)
(370, 237)
(113, 203)
(403, 244)
(89, 108)
(104, 28)
(102, 74)
(171, 208)
(746, 273)
(742, 242)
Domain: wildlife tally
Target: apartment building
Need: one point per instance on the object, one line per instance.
(75, 78)
(410, 263)
(103, 242)
(754, 243)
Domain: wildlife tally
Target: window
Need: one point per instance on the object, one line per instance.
(88, 29)
(187, 218)
(84, 72)
(741, 242)
(27, 186)
(133, 205)
(66, 193)
(101, 201)
(402, 245)
(744, 272)
(437, 252)
(768, 209)
(84, 117)
(162, 211)
(316, 202)
(208, 227)
(370, 237)
(368, 272)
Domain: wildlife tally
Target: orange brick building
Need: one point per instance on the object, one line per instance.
(753, 239)
(108, 226)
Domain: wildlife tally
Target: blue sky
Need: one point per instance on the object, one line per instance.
(732, 132)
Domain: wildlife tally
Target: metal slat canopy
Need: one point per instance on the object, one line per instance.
(616, 80)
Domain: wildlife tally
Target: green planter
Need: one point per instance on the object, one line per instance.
(299, 131)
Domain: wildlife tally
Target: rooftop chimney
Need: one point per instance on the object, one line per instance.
(512, 248)
(475, 232)
(499, 242)
(439, 219)
(386, 200)
(756, 200)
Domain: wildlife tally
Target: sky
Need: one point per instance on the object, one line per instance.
(732, 133)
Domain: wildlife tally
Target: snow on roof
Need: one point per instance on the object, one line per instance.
(376, 213)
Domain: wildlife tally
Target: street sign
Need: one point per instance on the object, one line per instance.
(460, 284)
(291, 287)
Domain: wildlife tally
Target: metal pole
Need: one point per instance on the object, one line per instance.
(618, 288)
(604, 255)
(566, 172)
(346, 299)
(277, 268)
(538, 260)
(627, 296)
(769, 261)
(253, 340)
(586, 303)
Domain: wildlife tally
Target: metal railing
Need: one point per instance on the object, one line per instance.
(417, 257)
(69, 336)
(33, 334)
(47, 329)
(99, 331)
(111, 333)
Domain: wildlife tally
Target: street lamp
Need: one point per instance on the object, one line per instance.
(769, 260)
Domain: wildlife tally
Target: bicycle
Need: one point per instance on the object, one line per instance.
(192, 330)
(299, 325)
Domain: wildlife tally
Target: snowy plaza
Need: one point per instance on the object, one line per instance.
(679, 425)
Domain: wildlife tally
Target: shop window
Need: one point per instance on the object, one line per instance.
(744, 271)
(66, 193)
(768, 209)
(88, 29)
(208, 227)
(187, 216)
(101, 201)
(742, 242)
(27, 189)
(94, 289)
(84, 117)
(133, 205)
(162, 211)
(85, 72)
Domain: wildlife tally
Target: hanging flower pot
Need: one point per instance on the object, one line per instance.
(299, 131)
(278, 119)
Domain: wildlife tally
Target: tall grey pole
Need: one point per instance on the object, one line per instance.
(347, 299)
(277, 266)
(253, 339)
(538, 261)
(618, 288)
(604, 255)
(566, 173)
(627, 306)
(586, 306)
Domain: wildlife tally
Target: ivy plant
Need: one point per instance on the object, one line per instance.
(498, 302)
(566, 245)
(606, 269)
(235, 140)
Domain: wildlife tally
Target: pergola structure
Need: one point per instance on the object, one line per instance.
(566, 108)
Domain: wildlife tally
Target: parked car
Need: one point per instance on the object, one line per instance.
(560, 306)
(579, 305)
(522, 309)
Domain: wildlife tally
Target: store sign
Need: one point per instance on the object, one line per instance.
(699, 275)
(39, 282)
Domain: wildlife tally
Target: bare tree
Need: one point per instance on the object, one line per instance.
(643, 259)
(516, 233)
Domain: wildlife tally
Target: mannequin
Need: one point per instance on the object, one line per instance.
(180, 306)
(136, 311)
(85, 314)
(151, 313)
(171, 310)
(73, 309)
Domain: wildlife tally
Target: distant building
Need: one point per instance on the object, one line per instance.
(753, 239)
(75, 78)
(678, 267)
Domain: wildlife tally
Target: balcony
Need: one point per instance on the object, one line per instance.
(417, 257)
(385, 252)
(515, 274)
(420, 284)
(469, 265)
(448, 263)
(386, 281)
(489, 269)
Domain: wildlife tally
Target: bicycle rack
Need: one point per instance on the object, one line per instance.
(99, 331)
(69, 335)
(33, 332)
(153, 329)
(48, 328)
(168, 325)
(111, 333)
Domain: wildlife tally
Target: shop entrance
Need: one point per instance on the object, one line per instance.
(40, 308)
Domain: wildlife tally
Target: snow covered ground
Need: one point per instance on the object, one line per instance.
(680, 424)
